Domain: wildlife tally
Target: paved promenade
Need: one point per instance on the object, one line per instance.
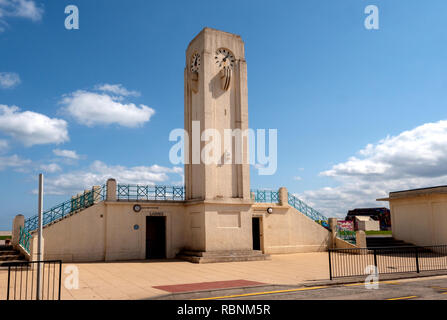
(138, 279)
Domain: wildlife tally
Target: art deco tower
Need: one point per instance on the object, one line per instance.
(216, 98)
(218, 206)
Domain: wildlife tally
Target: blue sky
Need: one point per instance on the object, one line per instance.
(359, 112)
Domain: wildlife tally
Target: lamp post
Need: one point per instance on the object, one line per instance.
(39, 239)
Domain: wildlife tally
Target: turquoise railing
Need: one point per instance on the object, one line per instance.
(25, 239)
(307, 210)
(270, 196)
(346, 235)
(85, 200)
(161, 193)
(265, 196)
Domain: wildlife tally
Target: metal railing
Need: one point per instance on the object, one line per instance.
(346, 235)
(270, 196)
(22, 280)
(307, 210)
(25, 239)
(140, 193)
(80, 202)
(265, 196)
(387, 260)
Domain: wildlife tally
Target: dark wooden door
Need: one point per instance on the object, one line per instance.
(155, 237)
(256, 234)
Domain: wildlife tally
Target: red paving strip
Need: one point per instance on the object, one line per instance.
(207, 285)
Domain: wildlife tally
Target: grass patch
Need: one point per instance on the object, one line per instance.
(372, 232)
(5, 237)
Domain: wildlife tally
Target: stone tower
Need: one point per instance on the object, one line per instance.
(216, 99)
(218, 206)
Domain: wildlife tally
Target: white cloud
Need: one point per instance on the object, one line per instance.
(9, 79)
(32, 128)
(297, 178)
(70, 154)
(117, 89)
(14, 162)
(27, 9)
(99, 172)
(51, 168)
(90, 108)
(413, 159)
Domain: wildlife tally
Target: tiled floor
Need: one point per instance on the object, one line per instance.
(138, 279)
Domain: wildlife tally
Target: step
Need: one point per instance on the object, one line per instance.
(6, 248)
(11, 257)
(197, 259)
(222, 256)
(13, 263)
(7, 252)
(387, 243)
(210, 254)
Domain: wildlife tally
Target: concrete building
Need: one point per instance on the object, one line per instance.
(419, 216)
(215, 217)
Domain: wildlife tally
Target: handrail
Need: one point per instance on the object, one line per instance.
(156, 192)
(80, 202)
(346, 235)
(270, 196)
(305, 209)
(25, 239)
(264, 196)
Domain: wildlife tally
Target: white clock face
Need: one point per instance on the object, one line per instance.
(195, 62)
(224, 58)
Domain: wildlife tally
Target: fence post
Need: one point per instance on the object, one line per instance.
(283, 196)
(18, 222)
(417, 259)
(9, 282)
(111, 190)
(330, 265)
(375, 259)
(60, 278)
(333, 226)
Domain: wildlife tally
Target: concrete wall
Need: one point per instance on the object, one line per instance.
(228, 227)
(106, 231)
(286, 230)
(368, 225)
(420, 220)
(126, 243)
(80, 237)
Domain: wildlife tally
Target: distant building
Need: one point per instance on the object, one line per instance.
(419, 216)
(379, 214)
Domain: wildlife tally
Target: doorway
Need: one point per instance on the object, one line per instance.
(155, 237)
(256, 231)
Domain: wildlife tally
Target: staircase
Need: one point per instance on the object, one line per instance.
(222, 256)
(9, 256)
(385, 242)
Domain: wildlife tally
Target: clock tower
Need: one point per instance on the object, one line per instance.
(217, 181)
(216, 117)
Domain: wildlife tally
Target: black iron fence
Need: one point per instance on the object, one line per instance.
(21, 283)
(357, 261)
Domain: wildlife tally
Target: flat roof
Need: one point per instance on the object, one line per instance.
(415, 192)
